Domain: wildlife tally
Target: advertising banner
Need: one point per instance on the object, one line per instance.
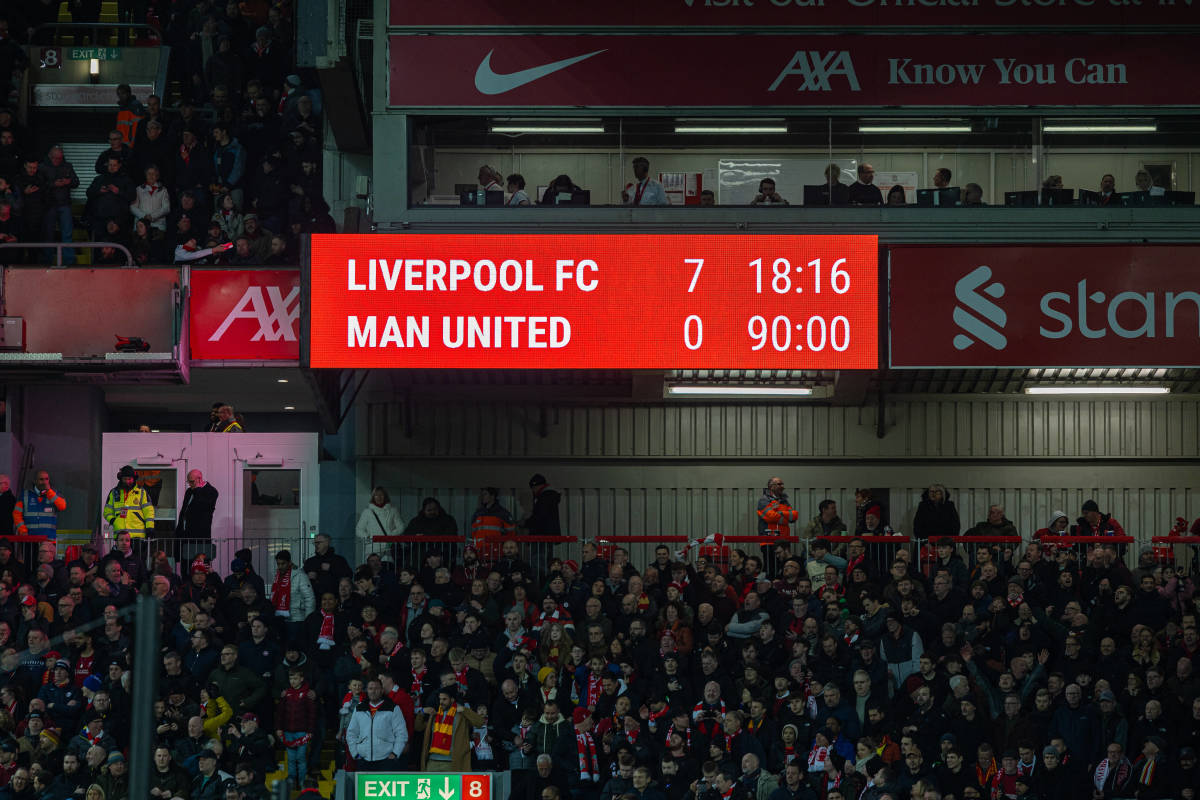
(245, 315)
(774, 13)
(1045, 306)
(595, 301)
(977, 70)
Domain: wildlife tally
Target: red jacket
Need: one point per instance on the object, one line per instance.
(297, 710)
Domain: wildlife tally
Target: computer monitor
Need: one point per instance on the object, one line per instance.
(1181, 198)
(471, 198)
(939, 197)
(459, 188)
(1089, 198)
(1058, 197)
(1131, 199)
(579, 197)
(1021, 199)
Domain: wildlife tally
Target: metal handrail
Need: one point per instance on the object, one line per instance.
(58, 248)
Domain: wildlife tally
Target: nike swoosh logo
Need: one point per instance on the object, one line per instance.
(488, 81)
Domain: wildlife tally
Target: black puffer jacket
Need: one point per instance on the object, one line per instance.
(936, 519)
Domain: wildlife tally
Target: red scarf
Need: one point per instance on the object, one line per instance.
(687, 735)
(593, 691)
(281, 590)
(325, 635)
(461, 677)
(443, 730)
(418, 680)
(589, 764)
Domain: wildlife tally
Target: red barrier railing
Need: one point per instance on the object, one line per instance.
(1074, 540)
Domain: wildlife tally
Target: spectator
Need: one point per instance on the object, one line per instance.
(767, 195)
(516, 190)
(228, 217)
(229, 163)
(154, 149)
(996, 524)
(645, 191)
(936, 515)
(1093, 523)
(864, 192)
(152, 203)
(109, 197)
(973, 195)
(60, 179)
(291, 595)
(118, 149)
(196, 510)
(896, 196)
(543, 519)
(563, 185)
(377, 736)
(266, 60)
(8, 502)
(379, 518)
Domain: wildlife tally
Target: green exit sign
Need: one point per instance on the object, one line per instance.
(422, 786)
(99, 53)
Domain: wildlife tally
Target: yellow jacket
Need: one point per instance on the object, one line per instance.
(139, 512)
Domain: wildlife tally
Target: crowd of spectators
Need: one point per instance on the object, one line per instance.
(230, 174)
(837, 669)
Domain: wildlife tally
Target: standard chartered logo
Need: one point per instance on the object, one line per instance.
(988, 321)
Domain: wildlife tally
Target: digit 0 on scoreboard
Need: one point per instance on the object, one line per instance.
(605, 301)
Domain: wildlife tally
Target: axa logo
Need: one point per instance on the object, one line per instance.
(815, 70)
(987, 322)
(275, 313)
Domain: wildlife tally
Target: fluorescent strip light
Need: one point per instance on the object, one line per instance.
(914, 128)
(731, 129)
(546, 129)
(1101, 128)
(1097, 390)
(738, 391)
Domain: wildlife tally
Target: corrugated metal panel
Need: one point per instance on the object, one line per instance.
(948, 429)
(607, 499)
(82, 156)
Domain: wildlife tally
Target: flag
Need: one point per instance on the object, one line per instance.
(712, 538)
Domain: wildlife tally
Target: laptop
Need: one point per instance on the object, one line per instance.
(1181, 198)
(470, 198)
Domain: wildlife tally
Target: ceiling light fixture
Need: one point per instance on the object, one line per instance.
(1099, 127)
(289, 408)
(708, 390)
(914, 128)
(281, 380)
(766, 129)
(547, 129)
(1084, 390)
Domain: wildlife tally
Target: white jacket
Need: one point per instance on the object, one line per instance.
(153, 206)
(304, 602)
(376, 521)
(378, 736)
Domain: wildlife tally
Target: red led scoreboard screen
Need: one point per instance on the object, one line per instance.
(602, 301)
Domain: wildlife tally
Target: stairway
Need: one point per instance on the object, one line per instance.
(330, 761)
